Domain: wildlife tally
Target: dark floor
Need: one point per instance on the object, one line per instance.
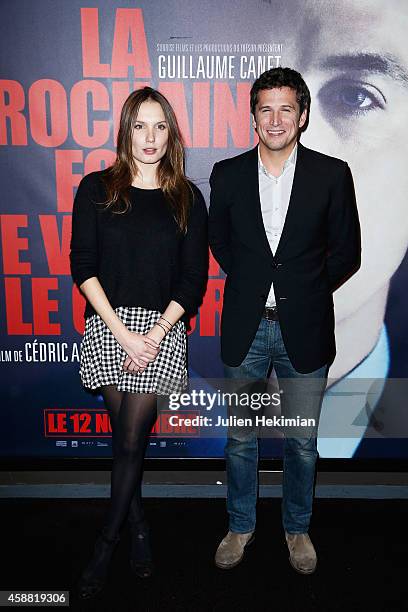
(362, 549)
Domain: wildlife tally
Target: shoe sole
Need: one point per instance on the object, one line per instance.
(231, 565)
(300, 571)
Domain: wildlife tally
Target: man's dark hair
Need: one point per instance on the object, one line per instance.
(275, 78)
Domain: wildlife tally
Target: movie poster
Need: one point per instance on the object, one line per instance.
(66, 69)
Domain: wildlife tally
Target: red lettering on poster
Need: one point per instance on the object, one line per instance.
(163, 427)
(91, 64)
(228, 115)
(175, 94)
(212, 303)
(102, 423)
(120, 91)
(201, 115)
(192, 326)
(14, 309)
(43, 306)
(12, 244)
(98, 160)
(78, 308)
(81, 422)
(212, 307)
(47, 99)
(85, 134)
(129, 27)
(56, 248)
(56, 423)
(12, 103)
(66, 180)
(76, 422)
(214, 268)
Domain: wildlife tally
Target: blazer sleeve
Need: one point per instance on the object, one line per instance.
(344, 237)
(192, 279)
(84, 238)
(219, 229)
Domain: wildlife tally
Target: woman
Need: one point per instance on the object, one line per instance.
(139, 254)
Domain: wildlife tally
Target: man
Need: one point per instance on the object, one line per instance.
(354, 56)
(284, 228)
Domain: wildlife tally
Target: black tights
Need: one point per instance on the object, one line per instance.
(132, 417)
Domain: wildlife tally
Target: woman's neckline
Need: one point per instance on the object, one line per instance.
(146, 188)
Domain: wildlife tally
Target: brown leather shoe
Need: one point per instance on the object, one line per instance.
(302, 555)
(231, 549)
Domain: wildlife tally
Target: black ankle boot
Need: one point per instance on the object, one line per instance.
(141, 555)
(93, 577)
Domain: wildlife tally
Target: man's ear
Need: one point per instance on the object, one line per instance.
(253, 122)
(302, 118)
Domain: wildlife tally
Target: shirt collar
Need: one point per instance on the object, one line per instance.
(291, 161)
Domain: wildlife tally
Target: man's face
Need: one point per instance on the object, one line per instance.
(356, 66)
(277, 119)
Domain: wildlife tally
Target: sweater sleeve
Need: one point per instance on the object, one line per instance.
(84, 238)
(192, 280)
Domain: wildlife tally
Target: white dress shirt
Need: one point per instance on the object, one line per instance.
(274, 193)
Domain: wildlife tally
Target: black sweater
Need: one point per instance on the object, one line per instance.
(140, 257)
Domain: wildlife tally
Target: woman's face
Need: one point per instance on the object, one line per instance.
(150, 134)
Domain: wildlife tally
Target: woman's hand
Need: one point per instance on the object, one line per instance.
(154, 336)
(140, 350)
(156, 333)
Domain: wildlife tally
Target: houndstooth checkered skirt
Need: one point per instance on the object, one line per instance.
(102, 356)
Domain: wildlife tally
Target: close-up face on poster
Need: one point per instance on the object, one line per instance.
(66, 69)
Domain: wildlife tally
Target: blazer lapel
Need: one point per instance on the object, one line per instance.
(252, 198)
(297, 197)
(300, 187)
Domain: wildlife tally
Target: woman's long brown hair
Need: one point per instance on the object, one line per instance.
(170, 173)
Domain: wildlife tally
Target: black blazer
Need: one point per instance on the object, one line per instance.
(318, 250)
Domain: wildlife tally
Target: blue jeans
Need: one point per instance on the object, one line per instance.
(300, 453)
